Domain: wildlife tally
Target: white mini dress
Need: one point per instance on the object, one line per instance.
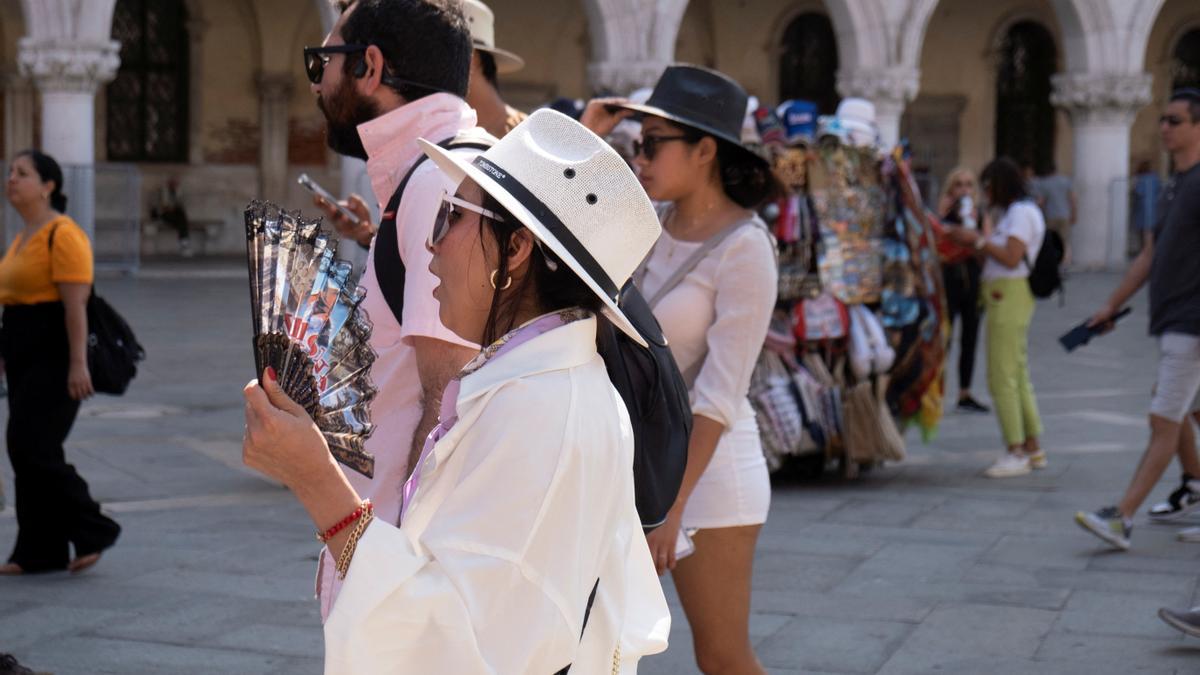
(716, 319)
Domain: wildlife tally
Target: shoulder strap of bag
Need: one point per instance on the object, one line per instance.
(50, 250)
(389, 267)
(694, 259)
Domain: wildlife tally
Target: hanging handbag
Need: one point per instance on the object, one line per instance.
(112, 349)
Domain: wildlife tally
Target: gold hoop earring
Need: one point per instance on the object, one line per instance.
(506, 283)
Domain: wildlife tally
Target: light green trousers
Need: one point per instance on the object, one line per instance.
(1009, 309)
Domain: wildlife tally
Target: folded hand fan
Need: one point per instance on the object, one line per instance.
(310, 327)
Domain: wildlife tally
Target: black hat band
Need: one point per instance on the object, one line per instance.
(551, 222)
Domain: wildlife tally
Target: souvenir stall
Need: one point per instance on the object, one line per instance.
(856, 346)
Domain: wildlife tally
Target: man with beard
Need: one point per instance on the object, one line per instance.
(487, 61)
(389, 72)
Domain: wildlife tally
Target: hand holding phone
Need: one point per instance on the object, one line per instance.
(1083, 333)
(313, 187)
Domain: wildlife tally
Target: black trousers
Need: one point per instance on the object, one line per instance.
(962, 281)
(54, 508)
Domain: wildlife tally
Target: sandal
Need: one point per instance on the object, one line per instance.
(83, 562)
(11, 570)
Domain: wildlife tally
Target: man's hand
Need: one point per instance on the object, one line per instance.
(362, 231)
(1102, 319)
(600, 119)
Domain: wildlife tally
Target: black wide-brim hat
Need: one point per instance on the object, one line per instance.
(700, 98)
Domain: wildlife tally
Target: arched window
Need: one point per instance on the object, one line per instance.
(1024, 114)
(1185, 67)
(808, 67)
(147, 103)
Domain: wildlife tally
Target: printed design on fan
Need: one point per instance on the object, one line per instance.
(309, 327)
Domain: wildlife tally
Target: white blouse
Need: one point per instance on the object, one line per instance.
(716, 318)
(522, 506)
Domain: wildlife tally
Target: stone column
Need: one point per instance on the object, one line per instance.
(632, 41)
(274, 95)
(67, 74)
(1102, 107)
(196, 28)
(890, 89)
(19, 100)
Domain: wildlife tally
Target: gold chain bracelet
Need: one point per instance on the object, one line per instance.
(343, 561)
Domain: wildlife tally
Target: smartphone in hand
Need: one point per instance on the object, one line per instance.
(315, 188)
(1083, 333)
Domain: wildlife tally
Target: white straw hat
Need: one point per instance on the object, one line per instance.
(574, 193)
(482, 22)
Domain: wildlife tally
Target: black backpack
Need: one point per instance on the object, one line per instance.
(648, 380)
(112, 350)
(657, 399)
(1045, 279)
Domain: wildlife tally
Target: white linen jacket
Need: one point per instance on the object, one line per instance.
(522, 506)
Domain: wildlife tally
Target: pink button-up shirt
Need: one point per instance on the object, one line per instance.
(391, 144)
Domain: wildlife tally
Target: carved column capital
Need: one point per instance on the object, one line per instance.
(622, 77)
(885, 87)
(274, 87)
(1101, 97)
(62, 66)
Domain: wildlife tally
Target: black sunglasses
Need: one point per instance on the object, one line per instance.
(649, 145)
(316, 58)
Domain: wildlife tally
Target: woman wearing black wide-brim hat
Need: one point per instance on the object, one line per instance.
(711, 280)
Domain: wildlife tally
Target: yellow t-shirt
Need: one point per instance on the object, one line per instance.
(29, 271)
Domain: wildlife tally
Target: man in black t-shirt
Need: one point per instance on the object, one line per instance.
(1169, 263)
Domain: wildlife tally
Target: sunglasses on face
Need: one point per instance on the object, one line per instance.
(447, 216)
(316, 58)
(648, 146)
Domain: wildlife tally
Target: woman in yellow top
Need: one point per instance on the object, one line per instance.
(45, 279)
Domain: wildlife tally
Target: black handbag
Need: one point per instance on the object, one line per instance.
(112, 349)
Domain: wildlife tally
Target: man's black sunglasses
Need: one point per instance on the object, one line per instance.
(316, 58)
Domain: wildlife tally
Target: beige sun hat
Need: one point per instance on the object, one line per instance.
(482, 22)
(574, 193)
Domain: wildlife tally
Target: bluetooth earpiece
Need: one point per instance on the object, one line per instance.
(360, 68)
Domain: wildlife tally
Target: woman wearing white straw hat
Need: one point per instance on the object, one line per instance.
(520, 549)
(711, 281)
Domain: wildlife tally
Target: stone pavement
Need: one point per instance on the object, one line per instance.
(920, 567)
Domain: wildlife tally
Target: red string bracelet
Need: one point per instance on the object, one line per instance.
(342, 524)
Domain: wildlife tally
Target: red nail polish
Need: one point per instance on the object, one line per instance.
(270, 373)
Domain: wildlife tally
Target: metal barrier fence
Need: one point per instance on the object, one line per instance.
(105, 200)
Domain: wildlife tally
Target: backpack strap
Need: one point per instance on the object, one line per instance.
(389, 267)
(587, 612)
(50, 251)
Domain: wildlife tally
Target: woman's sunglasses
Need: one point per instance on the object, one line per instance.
(447, 216)
(648, 146)
(316, 58)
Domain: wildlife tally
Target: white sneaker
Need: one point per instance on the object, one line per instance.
(1191, 534)
(1011, 464)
